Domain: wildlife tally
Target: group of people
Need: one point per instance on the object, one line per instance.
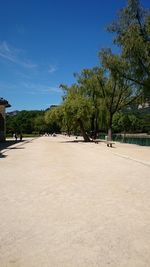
(15, 136)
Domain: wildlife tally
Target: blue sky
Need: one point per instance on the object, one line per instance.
(42, 43)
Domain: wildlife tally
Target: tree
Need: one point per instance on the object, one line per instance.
(88, 81)
(116, 94)
(96, 93)
(127, 122)
(129, 72)
(40, 124)
(23, 121)
(132, 35)
(53, 119)
(77, 110)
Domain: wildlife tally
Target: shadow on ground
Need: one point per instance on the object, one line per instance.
(82, 141)
(7, 145)
(2, 156)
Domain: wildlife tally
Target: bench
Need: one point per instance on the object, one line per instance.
(109, 143)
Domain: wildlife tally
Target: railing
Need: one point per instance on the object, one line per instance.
(142, 140)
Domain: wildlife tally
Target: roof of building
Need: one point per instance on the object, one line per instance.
(4, 102)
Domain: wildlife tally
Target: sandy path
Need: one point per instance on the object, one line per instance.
(66, 204)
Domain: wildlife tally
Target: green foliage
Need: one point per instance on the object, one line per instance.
(23, 121)
(90, 82)
(39, 124)
(74, 113)
(77, 107)
(53, 118)
(127, 122)
(132, 34)
(27, 122)
(94, 99)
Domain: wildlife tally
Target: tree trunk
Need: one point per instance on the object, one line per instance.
(96, 126)
(124, 136)
(83, 132)
(92, 126)
(110, 128)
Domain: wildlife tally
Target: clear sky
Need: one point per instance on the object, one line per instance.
(43, 42)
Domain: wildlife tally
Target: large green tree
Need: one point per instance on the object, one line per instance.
(88, 80)
(132, 35)
(116, 93)
(77, 110)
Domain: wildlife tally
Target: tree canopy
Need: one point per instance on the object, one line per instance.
(132, 35)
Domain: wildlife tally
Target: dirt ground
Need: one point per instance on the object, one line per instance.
(72, 204)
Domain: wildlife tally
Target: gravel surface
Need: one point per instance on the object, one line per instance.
(74, 204)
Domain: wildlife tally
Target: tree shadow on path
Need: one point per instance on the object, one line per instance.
(81, 141)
